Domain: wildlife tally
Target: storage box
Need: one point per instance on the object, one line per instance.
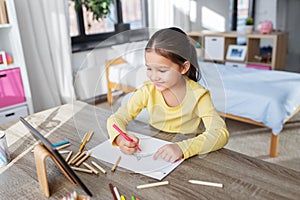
(259, 67)
(214, 48)
(13, 114)
(11, 87)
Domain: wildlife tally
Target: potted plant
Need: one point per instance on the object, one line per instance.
(249, 25)
(100, 9)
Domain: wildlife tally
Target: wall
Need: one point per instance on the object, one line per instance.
(284, 15)
(266, 10)
(89, 72)
(216, 13)
(287, 17)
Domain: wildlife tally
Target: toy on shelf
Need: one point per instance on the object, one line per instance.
(265, 27)
(5, 58)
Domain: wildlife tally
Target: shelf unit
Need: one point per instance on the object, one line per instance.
(254, 42)
(10, 42)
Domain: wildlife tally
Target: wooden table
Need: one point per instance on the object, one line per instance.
(243, 177)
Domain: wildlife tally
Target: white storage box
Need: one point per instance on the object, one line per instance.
(235, 64)
(13, 114)
(214, 48)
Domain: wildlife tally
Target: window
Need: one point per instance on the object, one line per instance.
(241, 9)
(85, 31)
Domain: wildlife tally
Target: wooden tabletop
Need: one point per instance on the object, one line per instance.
(243, 177)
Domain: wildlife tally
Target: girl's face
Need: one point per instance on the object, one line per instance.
(162, 72)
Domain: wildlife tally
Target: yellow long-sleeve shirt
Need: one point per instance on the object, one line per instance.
(185, 118)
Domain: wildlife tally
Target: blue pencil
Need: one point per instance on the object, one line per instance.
(3, 158)
(60, 143)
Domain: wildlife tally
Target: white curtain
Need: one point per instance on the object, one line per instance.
(46, 43)
(167, 13)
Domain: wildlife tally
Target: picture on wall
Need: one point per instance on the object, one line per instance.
(236, 52)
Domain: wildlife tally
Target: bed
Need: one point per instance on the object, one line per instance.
(260, 97)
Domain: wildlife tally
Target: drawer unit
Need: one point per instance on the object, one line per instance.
(214, 48)
(13, 114)
(11, 87)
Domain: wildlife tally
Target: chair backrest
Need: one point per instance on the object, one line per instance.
(114, 85)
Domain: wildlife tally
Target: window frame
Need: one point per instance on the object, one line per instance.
(83, 42)
(251, 13)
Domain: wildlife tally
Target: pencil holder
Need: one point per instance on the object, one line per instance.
(4, 154)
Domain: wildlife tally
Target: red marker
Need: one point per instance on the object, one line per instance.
(126, 136)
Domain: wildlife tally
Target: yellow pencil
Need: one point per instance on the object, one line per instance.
(83, 143)
(90, 133)
(123, 197)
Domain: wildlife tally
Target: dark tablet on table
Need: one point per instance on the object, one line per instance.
(49, 146)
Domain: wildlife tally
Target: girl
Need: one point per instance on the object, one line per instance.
(176, 103)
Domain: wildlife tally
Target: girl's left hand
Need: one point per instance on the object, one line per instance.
(169, 153)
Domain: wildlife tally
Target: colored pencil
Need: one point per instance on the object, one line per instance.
(99, 167)
(81, 154)
(116, 164)
(111, 187)
(83, 159)
(60, 143)
(90, 133)
(91, 168)
(152, 185)
(206, 183)
(125, 136)
(63, 146)
(69, 156)
(82, 170)
(117, 193)
(74, 157)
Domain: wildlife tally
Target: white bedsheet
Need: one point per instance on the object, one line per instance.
(263, 96)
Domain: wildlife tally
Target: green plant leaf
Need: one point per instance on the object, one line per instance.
(99, 8)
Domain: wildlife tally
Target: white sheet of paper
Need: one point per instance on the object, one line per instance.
(140, 162)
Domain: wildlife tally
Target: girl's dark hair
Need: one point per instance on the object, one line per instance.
(174, 44)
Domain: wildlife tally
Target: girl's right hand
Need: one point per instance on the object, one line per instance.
(126, 146)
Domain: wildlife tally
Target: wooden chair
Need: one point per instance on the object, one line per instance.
(114, 85)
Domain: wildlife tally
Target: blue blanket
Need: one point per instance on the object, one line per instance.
(264, 96)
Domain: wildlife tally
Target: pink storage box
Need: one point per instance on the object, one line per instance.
(259, 67)
(11, 87)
